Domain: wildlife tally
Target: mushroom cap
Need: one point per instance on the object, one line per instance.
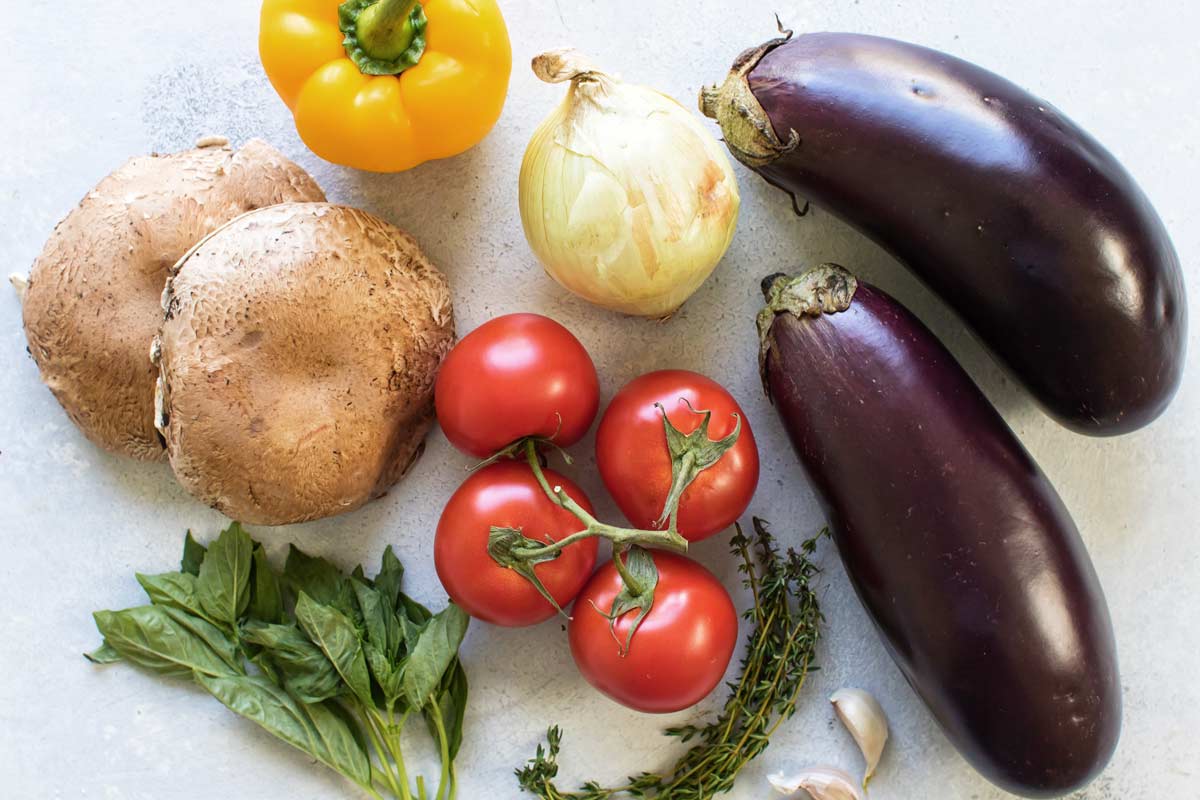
(297, 360)
(93, 304)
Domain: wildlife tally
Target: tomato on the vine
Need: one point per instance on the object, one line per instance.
(507, 495)
(679, 651)
(635, 463)
(515, 376)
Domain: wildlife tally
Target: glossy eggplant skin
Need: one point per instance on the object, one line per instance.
(1015, 216)
(956, 543)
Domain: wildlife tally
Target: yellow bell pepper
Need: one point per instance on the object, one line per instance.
(384, 85)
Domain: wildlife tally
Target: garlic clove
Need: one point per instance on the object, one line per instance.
(822, 783)
(864, 718)
(20, 284)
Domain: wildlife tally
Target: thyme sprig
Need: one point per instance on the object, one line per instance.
(779, 656)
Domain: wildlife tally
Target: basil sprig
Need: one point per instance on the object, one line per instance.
(332, 664)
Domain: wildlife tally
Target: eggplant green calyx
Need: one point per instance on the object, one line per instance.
(745, 125)
(383, 37)
(826, 289)
(640, 578)
(691, 454)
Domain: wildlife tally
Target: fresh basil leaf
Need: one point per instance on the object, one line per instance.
(343, 743)
(391, 574)
(152, 637)
(223, 586)
(358, 574)
(380, 623)
(267, 668)
(375, 617)
(452, 701)
(458, 695)
(409, 631)
(335, 634)
(377, 662)
(221, 643)
(312, 728)
(266, 594)
(104, 654)
(193, 555)
(435, 650)
(413, 610)
(387, 673)
(176, 589)
(301, 667)
(320, 580)
(346, 715)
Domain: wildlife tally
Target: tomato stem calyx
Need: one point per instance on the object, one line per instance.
(511, 548)
(640, 579)
(518, 449)
(691, 454)
(620, 537)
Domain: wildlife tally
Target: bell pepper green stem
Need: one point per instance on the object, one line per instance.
(383, 37)
(385, 28)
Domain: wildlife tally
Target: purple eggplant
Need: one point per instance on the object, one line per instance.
(1016, 217)
(957, 544)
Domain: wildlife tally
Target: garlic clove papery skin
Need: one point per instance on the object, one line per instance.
(821, 783)
(626, 199)
(862, 715)
(20, 284)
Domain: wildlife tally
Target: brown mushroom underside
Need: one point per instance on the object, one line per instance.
(93, 303)
(297, 359)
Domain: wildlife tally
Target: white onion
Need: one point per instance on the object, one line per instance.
(625, 198)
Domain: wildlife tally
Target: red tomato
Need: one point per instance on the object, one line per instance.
(506, 494)
(515, 376)
(631, 452)
(679, 652)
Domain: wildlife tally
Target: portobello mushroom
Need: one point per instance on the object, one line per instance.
(296, 361)
(93, 300)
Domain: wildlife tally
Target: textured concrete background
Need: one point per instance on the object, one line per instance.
(87, 85)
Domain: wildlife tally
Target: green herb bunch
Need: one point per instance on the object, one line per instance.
(334, 665)
(779, 655)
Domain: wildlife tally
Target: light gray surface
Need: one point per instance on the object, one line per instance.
(87, 85)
